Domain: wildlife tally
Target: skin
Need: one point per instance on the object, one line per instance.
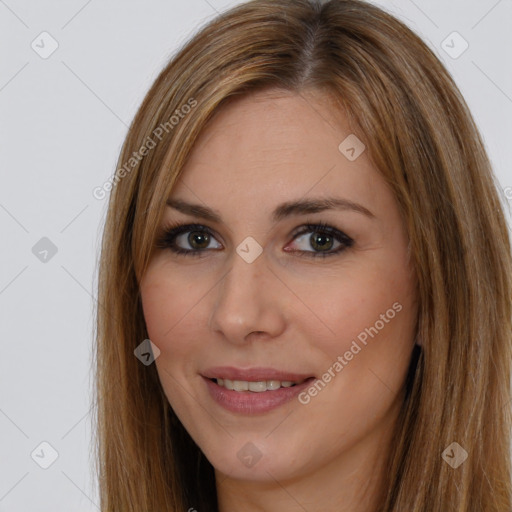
(286, 311)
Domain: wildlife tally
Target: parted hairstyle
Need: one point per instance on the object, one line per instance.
(419, 133)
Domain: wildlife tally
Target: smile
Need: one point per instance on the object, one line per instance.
(253, 391)
(255, 387)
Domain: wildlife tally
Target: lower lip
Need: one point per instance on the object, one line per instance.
(250, 402)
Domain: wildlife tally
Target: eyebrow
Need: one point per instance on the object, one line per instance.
(300, 207)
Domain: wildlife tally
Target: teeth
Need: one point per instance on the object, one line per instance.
(256, 387)
(240, 385)
(273, 384)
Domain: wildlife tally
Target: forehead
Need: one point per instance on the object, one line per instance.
(272, 146)
(270, 127)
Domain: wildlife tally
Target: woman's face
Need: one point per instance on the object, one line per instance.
(312, 326)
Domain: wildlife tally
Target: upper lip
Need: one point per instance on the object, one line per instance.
(254, 374)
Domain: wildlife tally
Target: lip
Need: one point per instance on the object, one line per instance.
(249, 402)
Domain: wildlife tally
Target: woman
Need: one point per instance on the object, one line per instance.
(305, 278)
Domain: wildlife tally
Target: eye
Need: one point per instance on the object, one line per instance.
(322, 240)
(198, 237)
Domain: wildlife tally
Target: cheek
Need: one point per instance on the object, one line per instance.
(157, 304)
(167, 305)
(170, 312)
(363, 362)
(176, 318)
(365, 336)
(369, 301)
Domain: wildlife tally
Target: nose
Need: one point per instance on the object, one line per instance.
(249, 299)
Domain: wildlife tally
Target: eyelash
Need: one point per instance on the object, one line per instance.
(171, 231)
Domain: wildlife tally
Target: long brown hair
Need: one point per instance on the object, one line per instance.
(419, 133)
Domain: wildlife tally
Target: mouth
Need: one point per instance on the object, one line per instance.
(253, 391)
(259, 386)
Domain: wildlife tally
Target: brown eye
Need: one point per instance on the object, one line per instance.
(322, 240)
(198, 239)
(177, 238)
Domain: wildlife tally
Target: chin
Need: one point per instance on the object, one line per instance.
(257, 461)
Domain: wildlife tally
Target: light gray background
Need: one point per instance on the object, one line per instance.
(63, 123)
